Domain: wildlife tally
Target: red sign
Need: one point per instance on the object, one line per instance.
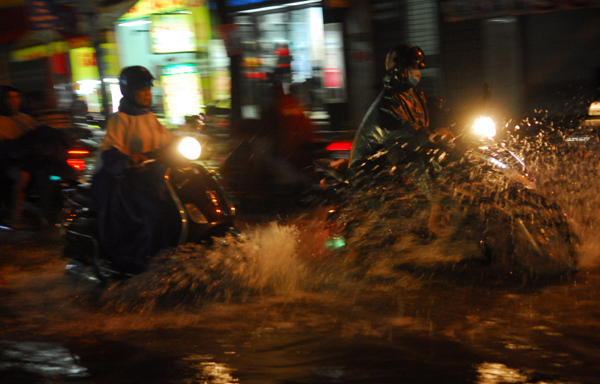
(332, 78)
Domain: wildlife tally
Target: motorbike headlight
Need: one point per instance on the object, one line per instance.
(484, 126)
(190, 148)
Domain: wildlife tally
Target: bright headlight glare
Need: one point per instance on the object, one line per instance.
(484, 126)
(190, 148)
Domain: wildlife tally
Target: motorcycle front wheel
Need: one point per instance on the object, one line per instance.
(522, 234)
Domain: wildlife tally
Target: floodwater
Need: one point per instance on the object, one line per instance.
(277, 307)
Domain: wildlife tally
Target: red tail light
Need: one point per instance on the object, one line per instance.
(77, 164)
(78, 152)
(340, 146)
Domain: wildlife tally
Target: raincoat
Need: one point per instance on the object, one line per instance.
(395, 129)
(134, 208)
(136, 216)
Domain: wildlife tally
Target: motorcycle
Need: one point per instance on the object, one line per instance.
(486, 198)
(204, 211)
(55, 159)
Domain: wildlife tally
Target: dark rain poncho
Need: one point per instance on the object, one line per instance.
(395, 127)
(136, 216)
(135, 211)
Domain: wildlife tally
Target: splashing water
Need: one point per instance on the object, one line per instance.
(261, 262)
(386, 249)
(571, 179)
(389, 236)
(564, 156)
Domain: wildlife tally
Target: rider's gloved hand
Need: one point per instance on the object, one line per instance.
(340, 165)
(442, 137)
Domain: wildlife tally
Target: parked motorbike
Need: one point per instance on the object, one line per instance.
(204, 211)
(488, 201)
(55, 159)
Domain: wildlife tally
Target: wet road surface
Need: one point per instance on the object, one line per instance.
(292, 321)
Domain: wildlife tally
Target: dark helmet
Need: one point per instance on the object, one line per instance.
(133, 78)
(403, 56)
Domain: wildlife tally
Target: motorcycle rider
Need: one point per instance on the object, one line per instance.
(396, 129)
(398, 120)
(132, 200)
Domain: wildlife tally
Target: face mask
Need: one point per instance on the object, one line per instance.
(414, 76)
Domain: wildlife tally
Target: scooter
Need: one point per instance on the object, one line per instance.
(490, 202)
(204, 211)
(55, 159)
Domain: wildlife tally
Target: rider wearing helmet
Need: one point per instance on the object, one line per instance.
(396, 126)
(131, 201)
(135, 130)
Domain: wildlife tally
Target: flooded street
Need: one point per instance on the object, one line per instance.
(276, 307)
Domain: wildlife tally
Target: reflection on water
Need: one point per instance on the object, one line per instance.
(44, 359)
(277, 307)
(495, 373)
(208, 371)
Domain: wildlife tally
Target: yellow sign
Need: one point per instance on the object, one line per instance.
(110, 58)
(202, 22)
(39, 51)
(182, 91)
(145, 8)
(83, 64)
(172, 33)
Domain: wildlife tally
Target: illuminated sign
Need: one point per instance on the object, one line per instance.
(172, 33)
(83, 64)
(182, 92)
(334, 72)
(144, 8)
(39, 51)
(243, 3)
(42, 15)
(248, 4)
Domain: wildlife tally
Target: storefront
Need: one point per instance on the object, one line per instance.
(39, 63)
(85, 62)
(172, 38)
(288, 44)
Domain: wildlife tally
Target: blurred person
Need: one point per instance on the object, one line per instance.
(281, 148)
(13, 122)
(396, 129)
(79, 109)
(132, 201)
(398, 120)
(291, 129)
(13, 125)
(46, 113)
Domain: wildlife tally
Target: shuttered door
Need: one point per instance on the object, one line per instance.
(422, 21)
(422, 30)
